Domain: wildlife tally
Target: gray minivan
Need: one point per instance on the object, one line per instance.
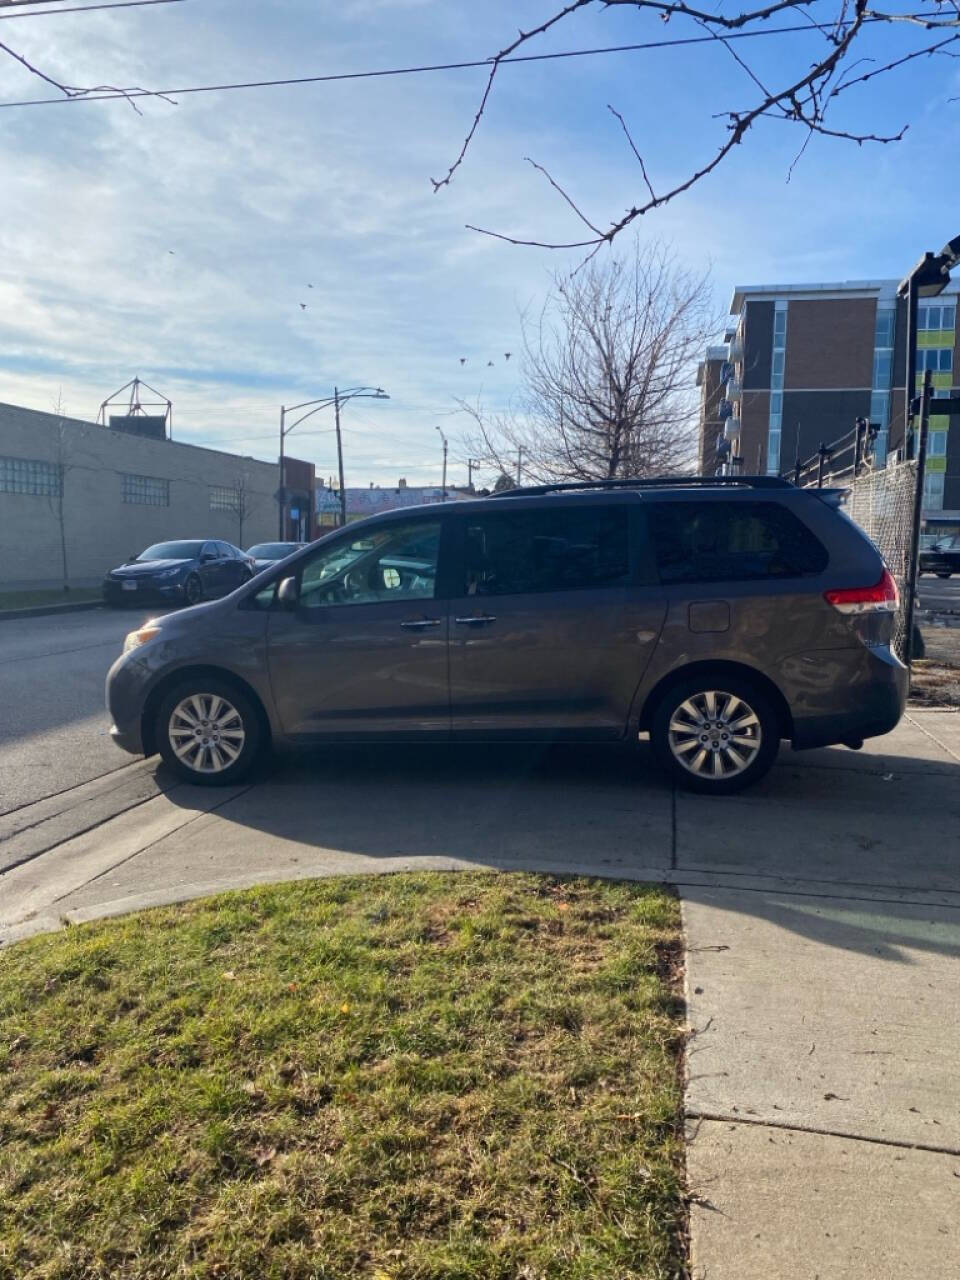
(719, 616)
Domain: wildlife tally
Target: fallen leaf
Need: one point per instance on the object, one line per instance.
(249, 1087)
(344, 1008)
(229, 976)
(293, 986)
(263, 1155)
(563, 906)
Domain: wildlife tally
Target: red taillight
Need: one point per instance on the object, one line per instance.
(881, 597)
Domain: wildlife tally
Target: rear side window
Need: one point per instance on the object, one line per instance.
(732, 542)
(521, 552)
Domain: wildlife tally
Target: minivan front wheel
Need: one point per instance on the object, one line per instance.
(208, 731)
(715, 735)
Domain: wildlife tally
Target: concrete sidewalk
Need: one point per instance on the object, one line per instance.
(822, 912)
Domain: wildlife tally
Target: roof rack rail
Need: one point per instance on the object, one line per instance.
(654, 482)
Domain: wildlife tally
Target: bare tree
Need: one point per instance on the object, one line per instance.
(804, 92)
(607, 375)
(241, 504)
(62, 465)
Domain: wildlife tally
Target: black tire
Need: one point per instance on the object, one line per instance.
(944, 575)
(667, 746)
(192, 590)
(208, 762)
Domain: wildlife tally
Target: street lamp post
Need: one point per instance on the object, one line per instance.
(445, 446)
(314, 406)
(928, 278)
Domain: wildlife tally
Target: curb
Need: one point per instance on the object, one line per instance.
(43, 610)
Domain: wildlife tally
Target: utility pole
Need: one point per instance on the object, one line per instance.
(444, 439)
(281, 496)
(343, 490)
(519, 463)
(470, 465)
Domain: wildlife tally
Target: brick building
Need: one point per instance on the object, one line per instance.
(804, 361)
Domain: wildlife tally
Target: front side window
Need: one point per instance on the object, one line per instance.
(394, 562)
(732, 542)
(520, 552)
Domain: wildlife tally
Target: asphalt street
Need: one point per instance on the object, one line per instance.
(53, 726)
(940, 593)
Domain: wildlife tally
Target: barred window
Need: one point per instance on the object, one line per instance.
(29, 475)
(222, 498)
(146, 491)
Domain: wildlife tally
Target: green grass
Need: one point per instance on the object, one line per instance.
(55, 595)
(413, 1077)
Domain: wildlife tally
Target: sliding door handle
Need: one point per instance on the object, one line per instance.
(476, 620)
(421, 624)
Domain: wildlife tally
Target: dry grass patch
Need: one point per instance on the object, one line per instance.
(414, 1077)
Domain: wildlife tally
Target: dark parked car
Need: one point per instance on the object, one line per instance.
(943, 558)
(264, 554)
(182, 572)
(719, 617)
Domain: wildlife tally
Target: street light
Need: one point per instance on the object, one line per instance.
(314, 406)
(928, 278)
(444, 439)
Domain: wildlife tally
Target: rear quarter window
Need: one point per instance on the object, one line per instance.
(732, 542)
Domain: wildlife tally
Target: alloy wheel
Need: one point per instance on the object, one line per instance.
(192, 591)
(714, 735)
(206, 732)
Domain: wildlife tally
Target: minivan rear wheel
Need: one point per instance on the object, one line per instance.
(208, 731)
(715, 734)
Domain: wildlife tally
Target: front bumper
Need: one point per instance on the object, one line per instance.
(149, 592)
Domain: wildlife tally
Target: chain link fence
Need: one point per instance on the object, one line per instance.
(881, 502)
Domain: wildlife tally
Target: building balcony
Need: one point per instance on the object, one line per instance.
(724, 409)
(731, 428)
(734, 389)
(735, 350)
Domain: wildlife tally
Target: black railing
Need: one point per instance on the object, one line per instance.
(857, 445)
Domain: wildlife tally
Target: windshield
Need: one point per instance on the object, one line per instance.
(271, 550)
(171, 551)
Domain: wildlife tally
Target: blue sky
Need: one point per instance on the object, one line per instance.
(261, 193)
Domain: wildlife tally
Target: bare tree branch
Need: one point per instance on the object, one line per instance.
(802, 98)
(74, 91)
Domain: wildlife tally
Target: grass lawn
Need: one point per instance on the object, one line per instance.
(31, 599)
(409, 1077)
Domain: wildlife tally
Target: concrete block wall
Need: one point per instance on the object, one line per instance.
(102, 530)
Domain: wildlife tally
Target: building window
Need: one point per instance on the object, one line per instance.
(936, 359)
(883, 341)
(933, 491)
(222, 498)
(29, 475)
(146, 491)
(777, 365)
(938, 444)
(940, 316)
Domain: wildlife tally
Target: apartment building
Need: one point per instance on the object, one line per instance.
(91, 496)
(804, 361)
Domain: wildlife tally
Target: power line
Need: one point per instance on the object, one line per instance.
(430, 67)
(85, 8)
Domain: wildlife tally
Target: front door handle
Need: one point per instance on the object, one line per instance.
(421, 623)
(475, 620)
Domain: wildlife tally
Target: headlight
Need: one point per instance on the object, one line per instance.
(168, 573)
(136, 638)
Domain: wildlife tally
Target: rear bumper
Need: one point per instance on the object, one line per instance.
(844, 695)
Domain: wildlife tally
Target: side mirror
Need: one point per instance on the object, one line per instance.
(207, 556)
(287, 594)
